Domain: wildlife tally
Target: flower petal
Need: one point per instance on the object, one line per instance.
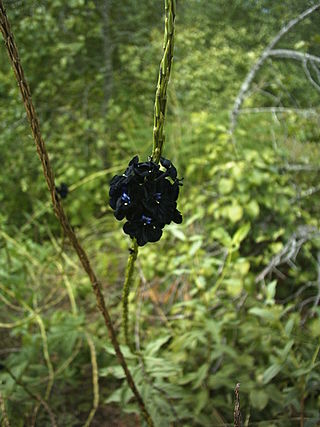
(177, 217)
(154, 233)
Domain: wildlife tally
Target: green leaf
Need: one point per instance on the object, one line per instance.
(225, 186)
(241, 234)
(271, 291)
(195, 247)
(201, 400)
(264, 313)
(252, 208)
(200, 375)
(234, 286)
(234, 212)
(222, 236)
(154, 346)
(177, 232)
(271, 372)
(259, 399)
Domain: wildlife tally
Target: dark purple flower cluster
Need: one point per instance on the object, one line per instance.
(62, 190)
(147, 197)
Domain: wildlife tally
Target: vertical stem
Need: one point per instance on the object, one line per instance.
(163, 80)
(302, 411)
(47, 359)
(125, 293)
(57, 206)
(237, 419)
(5, 419)
(158, 139)
(95, 380)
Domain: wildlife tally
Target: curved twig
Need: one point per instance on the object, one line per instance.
(265, 54)
(57, 206)
(34, 396)
(309, 76)
(294, 54)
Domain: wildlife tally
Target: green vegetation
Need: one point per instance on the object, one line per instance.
(231, 295)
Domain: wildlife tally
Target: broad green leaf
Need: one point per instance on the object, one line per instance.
(264, 313)
(241, 234)
(222, 236)
(271, 372)
(226, 185)
(234, 286)
(234, 212)
(259, 399)
(154, 346)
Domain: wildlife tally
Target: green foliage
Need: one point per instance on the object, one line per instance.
(200, 316)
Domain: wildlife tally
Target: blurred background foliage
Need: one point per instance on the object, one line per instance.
(232, 295)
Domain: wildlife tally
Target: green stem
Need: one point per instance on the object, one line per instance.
(125, 293)
(158, 141)
(222, 275)
(163, 80)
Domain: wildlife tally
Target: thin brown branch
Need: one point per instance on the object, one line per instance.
(237, 413)
(57, 206)
(34, 396)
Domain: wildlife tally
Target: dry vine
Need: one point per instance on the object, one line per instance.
(57, 206)
(237, 413)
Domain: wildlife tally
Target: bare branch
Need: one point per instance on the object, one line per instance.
(256, 67)
(290, 251)
(300, 168)
(315, 69)
(317, 300)
(301, 111)
(309, 192)
(309, 76)
(294, 54)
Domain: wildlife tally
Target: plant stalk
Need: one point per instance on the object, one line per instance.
(163, 80)
(57, 206)
(125, 293)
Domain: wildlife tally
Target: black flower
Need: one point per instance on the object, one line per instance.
(171, 170)
(62, 190)
(161, 199)
(144, 228)
(147, 197)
